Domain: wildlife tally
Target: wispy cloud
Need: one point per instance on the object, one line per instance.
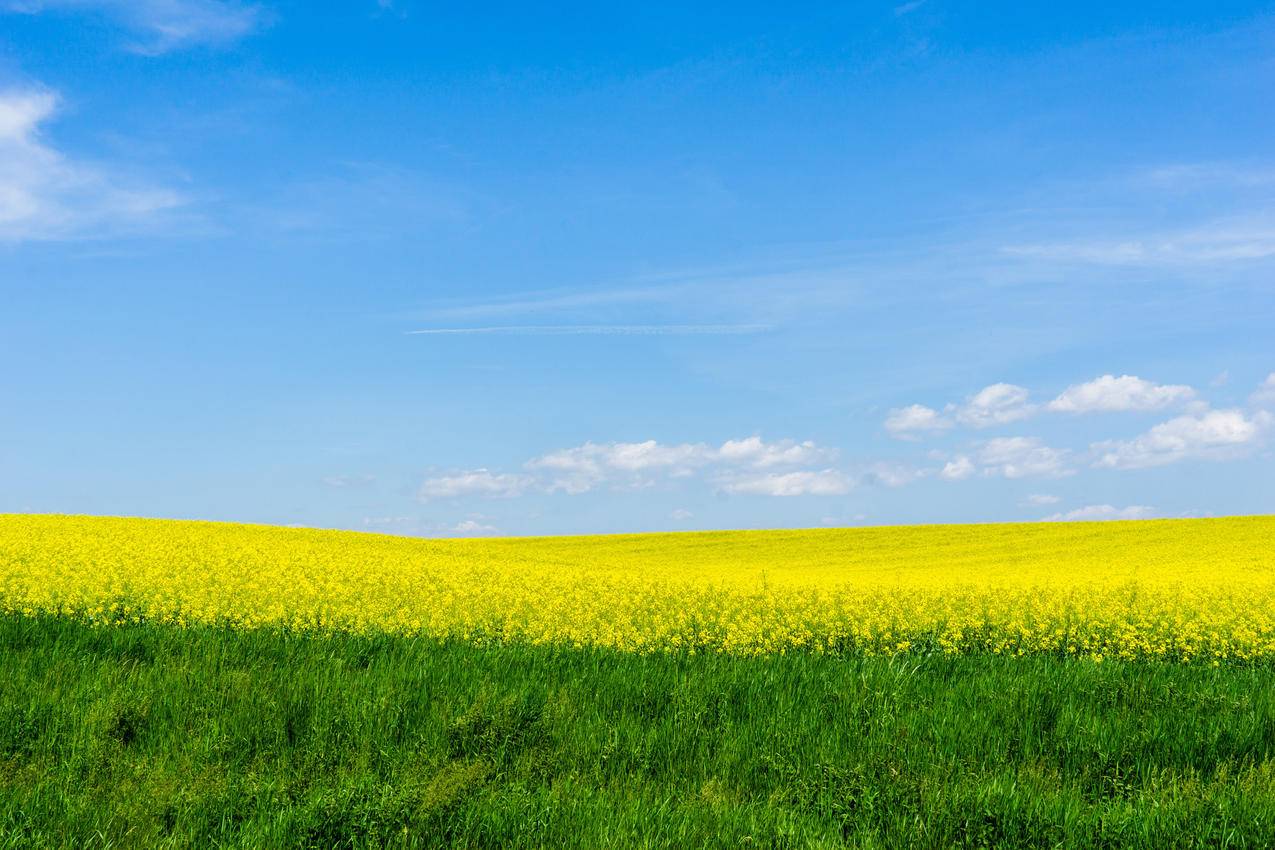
(770, 290)
(1109, 226)
(598, 330)
(358, 200)
(553, 302)
(45, 194)
(1189, 176)
(163, 25)
(348, 482)
(1218, 242)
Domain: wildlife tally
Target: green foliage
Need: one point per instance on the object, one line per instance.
(137, 736)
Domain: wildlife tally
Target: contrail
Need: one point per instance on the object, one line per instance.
(611, 330)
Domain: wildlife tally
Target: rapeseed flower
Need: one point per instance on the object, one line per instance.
(1173, 589)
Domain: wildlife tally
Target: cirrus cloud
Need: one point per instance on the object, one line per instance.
(164, 25)
(44, 194)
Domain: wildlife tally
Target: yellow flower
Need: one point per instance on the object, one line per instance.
(1178, 589)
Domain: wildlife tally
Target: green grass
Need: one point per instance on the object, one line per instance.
(138, 736)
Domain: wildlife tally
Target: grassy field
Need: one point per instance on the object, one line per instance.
(207, 685)
(150, 735)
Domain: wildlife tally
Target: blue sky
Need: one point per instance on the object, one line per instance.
(596, 268)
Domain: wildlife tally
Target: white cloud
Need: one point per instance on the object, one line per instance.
(1090, 513)
(632, 457)
(905, 422)
(472, 526)
(1216, 434)
(1128, 392)
(755, 452)
(997, 404)
(1022, 457)
(957, 469)
(45, 195)
(636, 457)
(165, 24)
(1264, 395)
(826, 482)
(1002, 403)
(580, 469)
(680, 514)
(1042, 499)
(477, 482)
(894, 474)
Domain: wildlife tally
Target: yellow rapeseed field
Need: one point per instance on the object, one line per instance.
(1179, 589)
